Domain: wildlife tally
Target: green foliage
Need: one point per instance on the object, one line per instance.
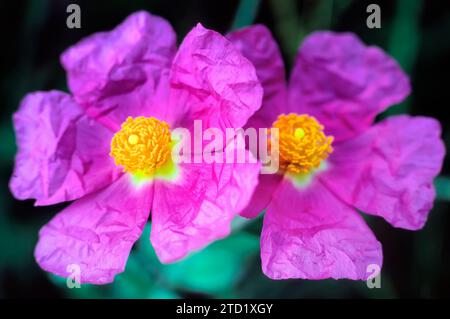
(245, 13)
(8, 146)
(405, 22)
(212, 270)
(442, 185)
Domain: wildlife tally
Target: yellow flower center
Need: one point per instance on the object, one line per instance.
(142, 145)
(302, 143)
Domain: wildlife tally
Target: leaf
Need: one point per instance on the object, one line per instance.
(8, 146)
(213, 270)
(245, 13)
(442, 185)
(405, 50)
(288, 26)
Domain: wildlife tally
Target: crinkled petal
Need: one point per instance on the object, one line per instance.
(62, 154)
(197, 208)
(212, 81)
(121, 73)
(311, 234)
(258, 45)
(262, 195)
(344, 83)
(389, 170)
(95, 233)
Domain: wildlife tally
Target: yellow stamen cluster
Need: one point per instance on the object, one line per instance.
(142, 145)
(302, 143)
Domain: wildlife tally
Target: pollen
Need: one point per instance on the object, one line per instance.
(302, 143)
(142, 145)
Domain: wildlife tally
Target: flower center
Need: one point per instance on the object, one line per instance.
(302, 143)
(142, 145)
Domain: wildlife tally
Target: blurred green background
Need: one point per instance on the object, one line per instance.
(416, 33)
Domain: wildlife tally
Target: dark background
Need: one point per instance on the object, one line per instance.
(416, 33)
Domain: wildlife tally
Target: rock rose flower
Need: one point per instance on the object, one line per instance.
(334, 160)
(107, 146)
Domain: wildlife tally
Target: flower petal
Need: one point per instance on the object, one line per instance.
(257, 44)
(119, 73)
(344, 83)
(262, 195)
(389, 170)
(96, 232)
(62, 154)
(211, 81)
(198, 207)
(311, 234)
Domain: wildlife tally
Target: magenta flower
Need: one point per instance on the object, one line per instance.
(129, 88)
(334, 160)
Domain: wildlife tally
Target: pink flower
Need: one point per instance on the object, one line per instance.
(346, 163)
(65, 143)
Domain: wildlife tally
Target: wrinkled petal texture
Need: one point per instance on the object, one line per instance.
(267, 186)
(389, 170)
(211, 81)
(95, 233)
(344, 83)
(123, 72)
(311, 234)
(62, 153)
(257, 44)
(198, 207)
